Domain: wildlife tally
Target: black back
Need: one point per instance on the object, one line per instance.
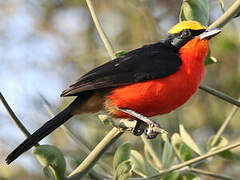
(146, 63)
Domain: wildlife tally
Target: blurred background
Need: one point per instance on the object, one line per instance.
(46, 45)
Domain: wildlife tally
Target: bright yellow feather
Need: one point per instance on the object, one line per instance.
(194, 25)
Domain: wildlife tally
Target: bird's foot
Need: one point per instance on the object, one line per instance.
(139, 128)
(150, 128)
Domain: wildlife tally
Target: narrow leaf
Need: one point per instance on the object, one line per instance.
(187, 139)
(138, 163)
(172, 176)
(177, 142)
(229, 155)
(167, 153)
(197, 10)
(122, 154)
(52, 158)
(156, 147)
(150, 169)
(123, 171)
(220, 143)
(183, 151)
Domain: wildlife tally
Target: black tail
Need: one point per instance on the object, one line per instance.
(39, 134)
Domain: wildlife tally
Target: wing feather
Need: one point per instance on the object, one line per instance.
(148, 62)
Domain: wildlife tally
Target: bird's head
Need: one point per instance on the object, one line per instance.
(185, 31)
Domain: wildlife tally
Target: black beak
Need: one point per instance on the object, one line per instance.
(209, 33)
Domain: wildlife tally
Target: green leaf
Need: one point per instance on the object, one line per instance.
(187, 139)
(52, 158)
(229, 155)
(222, 141)
(172, 176)
(177, 142)
(182, 150)
(120, 53)
(197, 10)
(167, 152)
(48, 173)
(138, 163)
(150, 169)
(156, 147)
(191, 176)
(122, 154)
(123, 171)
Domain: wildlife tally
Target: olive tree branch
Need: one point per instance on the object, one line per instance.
(227, 16)
(224, 125)
(220, 95)
(192, 161)
(100, 30)
(208, 173)
(95, 154)
(14, 117)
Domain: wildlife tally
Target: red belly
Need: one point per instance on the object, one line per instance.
(153, 97)
(160, 96)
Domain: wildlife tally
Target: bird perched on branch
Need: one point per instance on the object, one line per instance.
(152, 80)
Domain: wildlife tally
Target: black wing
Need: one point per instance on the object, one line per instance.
(149, 62)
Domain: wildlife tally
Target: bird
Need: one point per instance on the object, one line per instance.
(151, 80)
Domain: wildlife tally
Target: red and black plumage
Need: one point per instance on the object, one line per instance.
(151, 80)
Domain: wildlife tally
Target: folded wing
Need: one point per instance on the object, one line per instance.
(146, 63)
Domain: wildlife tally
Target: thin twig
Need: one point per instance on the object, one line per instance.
(208, 173)
(227, 16)
(100, 30)
(192, 161)
(224, 125)
(96, 153)
(220, 95)
(14, 117)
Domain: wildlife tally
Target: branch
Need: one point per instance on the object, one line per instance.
(220, 95)
(208, 173)
(192, 161)
(227, 16)
(14, 117)
(96, 153)
(100, 30)
(224, 125)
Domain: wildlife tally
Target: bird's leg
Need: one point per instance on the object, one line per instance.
(153, 128)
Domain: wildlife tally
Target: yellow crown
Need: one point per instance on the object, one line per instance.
(194, 25)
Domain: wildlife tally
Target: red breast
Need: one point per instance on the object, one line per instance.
(160, 96)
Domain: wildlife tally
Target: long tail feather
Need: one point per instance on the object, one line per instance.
(39, 134)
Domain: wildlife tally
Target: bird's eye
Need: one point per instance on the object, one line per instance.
(186, 33)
